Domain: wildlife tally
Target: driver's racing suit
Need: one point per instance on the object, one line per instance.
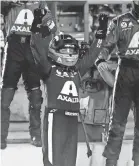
(60, 122)
(123, 32)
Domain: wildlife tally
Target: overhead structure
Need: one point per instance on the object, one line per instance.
(94, 1)
(86, 3)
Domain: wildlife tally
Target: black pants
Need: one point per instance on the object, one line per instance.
(19, 60)
(126, 91)
(59, 139)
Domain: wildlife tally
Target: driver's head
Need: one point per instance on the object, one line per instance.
(64, 50)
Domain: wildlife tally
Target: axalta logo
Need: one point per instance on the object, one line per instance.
(59, 60)
(23, 21)
(133, 48)
(20, 28)
(69, 93)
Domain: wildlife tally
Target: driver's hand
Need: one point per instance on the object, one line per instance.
(102, 28)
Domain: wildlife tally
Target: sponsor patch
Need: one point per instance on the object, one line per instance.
(130, 24)
(71, 113)
(132, 52)
(59, 60)
(133, 48)
(69, 93)
(65, 74)
(123, 24)
(20, 28)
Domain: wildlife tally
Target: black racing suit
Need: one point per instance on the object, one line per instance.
(60, 122)
(19, 60)
(124, 33)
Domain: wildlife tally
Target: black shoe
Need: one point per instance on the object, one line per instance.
(36, 141)
(3, 145)
(110, 162)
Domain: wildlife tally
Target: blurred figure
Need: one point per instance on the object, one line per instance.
(123, 33)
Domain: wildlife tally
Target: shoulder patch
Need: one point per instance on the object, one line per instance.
(123, 24)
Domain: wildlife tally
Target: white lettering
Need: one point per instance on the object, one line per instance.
(59, 60)
(68, 99)
(13, 28)
(71, 113)
(22, 28)
(60, 97)
(132, 52)
(19, 28)
(65, 98)
(65, 74)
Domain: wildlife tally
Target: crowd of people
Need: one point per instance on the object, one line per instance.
(34, 49)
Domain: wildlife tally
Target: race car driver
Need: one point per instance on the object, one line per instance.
(62, 70)
(123, 32)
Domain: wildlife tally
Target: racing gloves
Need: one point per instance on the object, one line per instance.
(102, 28)
(43, 22)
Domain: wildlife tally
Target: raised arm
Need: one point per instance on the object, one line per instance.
(103, 66)
(43, 27)
(110, 42)
(90, 56)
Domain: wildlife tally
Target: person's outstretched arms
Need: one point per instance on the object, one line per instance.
(43, 27)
